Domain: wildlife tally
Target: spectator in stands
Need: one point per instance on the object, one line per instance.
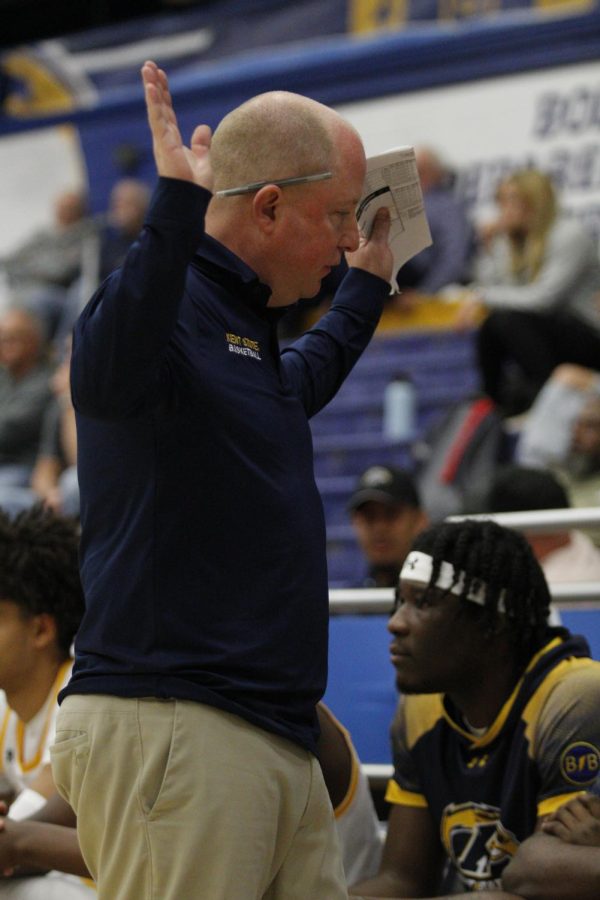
(496, 726)
(54, 475)
(581, 469)
(545, 434)
(115, 231)
(40, 272)
(563, 859)
(186, 409)
(447, 261)
(127, 207)
(563, 555)
(386, 515)
(40, 610)
(562, 432)
(538, 275)
(52, 256)
(24, 395)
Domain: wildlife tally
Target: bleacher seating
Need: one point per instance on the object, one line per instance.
(348, 435)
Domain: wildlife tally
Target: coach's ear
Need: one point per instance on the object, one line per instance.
(266, 207)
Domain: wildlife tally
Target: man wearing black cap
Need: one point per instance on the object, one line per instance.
(386, 515)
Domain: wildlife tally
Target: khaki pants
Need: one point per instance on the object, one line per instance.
(177, 800)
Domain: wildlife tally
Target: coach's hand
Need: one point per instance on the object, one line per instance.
(373, 253)
(173, 158)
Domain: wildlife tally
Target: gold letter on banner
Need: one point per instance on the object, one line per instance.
(374, 15)
(464, 9)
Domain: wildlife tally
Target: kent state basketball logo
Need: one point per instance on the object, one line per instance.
(243, 346)
(477, 842)
(580, 763)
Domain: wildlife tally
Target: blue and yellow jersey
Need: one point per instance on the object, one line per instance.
(488, 790)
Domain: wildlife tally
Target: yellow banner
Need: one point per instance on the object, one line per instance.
(365, 16)
(464, 9)
(568, 6)
(374, 15)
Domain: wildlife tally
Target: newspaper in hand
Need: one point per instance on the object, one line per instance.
(392, 180)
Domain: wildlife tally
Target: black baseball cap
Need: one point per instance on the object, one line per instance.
(385, 484)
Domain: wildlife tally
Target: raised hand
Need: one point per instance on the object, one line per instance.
(173, 159)
(373, 253)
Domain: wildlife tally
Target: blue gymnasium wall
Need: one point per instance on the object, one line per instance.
(335, 70)
(361, 689)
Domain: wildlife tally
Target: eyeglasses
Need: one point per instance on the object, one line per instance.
(280, 182)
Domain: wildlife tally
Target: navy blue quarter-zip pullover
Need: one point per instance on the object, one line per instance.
(203, 539)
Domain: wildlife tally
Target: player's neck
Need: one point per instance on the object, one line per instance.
(29, 697)
(481, 702)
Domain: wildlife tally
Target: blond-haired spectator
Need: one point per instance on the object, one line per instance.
(537, 274)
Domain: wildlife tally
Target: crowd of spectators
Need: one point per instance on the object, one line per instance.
(49, 278)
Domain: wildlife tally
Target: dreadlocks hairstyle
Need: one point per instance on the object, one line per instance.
(39, 568)
(503, 560)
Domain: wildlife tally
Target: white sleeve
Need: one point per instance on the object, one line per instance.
(27, 803)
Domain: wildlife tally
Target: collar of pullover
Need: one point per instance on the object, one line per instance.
(219, 264)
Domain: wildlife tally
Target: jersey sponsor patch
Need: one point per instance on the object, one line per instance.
(580, 763)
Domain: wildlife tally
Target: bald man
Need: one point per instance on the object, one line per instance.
(24, 396)
(187, 736)
(127, 208)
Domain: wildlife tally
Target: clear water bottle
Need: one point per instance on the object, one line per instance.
(399, 409)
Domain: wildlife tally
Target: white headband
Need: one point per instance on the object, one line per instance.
(418, 567)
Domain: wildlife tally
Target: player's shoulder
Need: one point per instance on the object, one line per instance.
(581, 671)
(419, 714)
(574, 684)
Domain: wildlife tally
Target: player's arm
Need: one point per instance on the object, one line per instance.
(335, 758)
(44, 783)
(412, 861)
(489, 895)
(47, 840)
(545, 868)
(29, 847)
(563, 858)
